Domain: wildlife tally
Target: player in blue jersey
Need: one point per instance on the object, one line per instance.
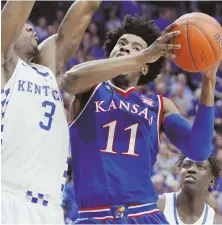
(188, 205)
(115, 130)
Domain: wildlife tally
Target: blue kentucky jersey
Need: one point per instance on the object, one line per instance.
(114, 143)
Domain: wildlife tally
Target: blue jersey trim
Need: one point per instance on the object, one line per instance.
(40, 73)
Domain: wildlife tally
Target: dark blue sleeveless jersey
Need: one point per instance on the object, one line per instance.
(114, 143)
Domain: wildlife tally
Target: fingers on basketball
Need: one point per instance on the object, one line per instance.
(168, 29)
(170, 36)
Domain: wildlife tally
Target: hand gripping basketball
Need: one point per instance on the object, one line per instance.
(161, 46)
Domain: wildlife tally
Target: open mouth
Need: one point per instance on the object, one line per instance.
(190, 178)
(35, 37)
(120, 54)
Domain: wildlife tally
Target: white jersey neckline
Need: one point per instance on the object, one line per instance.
(201, 220)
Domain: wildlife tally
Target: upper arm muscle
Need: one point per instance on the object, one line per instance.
(168, 107)
(13, 16)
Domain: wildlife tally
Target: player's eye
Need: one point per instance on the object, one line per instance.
(136, 48)
(201, 167)
(186, 165)
(121, 43)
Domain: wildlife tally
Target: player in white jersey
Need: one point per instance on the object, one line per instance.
(189, 204)
(34, 130)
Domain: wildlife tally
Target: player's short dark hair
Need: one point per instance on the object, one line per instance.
(143, 28)
(214, 164)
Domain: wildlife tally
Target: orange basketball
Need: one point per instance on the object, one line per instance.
(201, 42)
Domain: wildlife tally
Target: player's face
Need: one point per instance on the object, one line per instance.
(28, 40)
(196, 176)
(126, 45)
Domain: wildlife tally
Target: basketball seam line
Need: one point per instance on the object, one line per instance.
(178, 28)
(207, 39)
(189, 47)
(215, 25)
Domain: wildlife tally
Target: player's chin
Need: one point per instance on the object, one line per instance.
(190, 184)
(34, 51)
(34, 42)
(122, 75)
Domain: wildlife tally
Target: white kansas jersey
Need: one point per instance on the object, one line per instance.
(171, 214)
(35, 138)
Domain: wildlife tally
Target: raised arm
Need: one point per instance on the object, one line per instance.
(56, 51)
(83, 77)
(13, 16)
(195, 141)
(73, 27)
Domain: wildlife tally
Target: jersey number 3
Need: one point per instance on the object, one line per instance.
(50, 107)
(132, 139)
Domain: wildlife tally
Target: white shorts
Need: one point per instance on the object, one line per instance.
(16, 209)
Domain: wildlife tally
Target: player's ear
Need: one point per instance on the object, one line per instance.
(145, 69)
(212, 181)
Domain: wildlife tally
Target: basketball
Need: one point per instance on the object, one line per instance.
(201, 42)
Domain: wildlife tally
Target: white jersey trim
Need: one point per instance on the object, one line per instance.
(158, 118)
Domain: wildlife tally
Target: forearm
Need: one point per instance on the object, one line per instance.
(73, 27)
(84, 76)
(207, 91)
(14, 16)
(193, 141)
(78, 10)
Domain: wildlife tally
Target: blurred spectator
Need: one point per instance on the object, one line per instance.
(165, 161)
(96, 50)
(80, 56)
(93, 30)
(51, 29)
(59, 16)
(161, 88)
(130, 7)
(166, 17)
(218, 112)
(113, 21)
(90, 57)
(41, 29)
(86, 42)
(158, 182)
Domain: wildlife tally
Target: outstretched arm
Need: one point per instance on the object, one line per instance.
(194, 141)
(72, 29)
(13, 16)
(57, 50)
(83, 77)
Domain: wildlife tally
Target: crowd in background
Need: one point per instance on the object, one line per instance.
(180, 86)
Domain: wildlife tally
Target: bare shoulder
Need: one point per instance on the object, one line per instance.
(168, 107)
(7, 68)
(161, 202)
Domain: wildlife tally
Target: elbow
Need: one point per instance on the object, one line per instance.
(70, 83)
(198, 152)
